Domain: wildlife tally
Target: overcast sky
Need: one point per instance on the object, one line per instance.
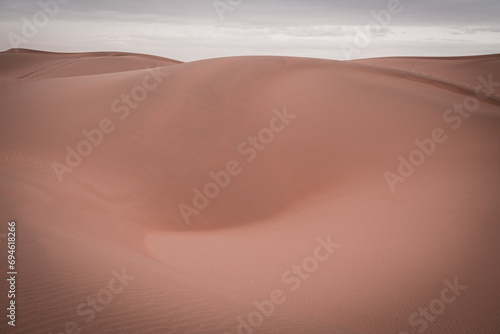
(198, 29)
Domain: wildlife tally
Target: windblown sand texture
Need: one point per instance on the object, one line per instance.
(323, 175)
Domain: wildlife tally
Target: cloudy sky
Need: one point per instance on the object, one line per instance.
(198, 29)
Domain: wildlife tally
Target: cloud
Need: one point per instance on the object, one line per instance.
(473, 30)
(294, 27)
(273, 12)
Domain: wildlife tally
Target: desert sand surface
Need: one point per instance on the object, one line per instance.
(251, 194)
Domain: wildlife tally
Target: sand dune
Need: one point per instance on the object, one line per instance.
(252, 194)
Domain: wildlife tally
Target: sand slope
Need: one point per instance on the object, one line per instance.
(335, 129)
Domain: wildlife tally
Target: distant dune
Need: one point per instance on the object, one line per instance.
(251, 194)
